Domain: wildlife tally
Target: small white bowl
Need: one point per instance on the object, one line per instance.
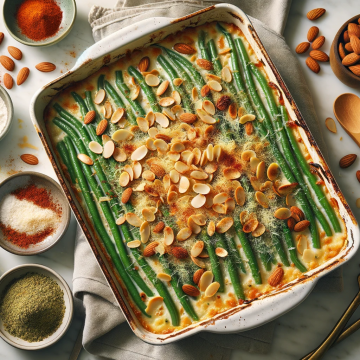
(30, 177)
(21, 270)
(10, 111)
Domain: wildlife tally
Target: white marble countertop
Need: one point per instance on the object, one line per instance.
(300, 330)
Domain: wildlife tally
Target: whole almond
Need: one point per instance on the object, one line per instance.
(1, 37)
(22, 75)
(125, 197)
(342, 52)
(354, 29)
(249, 128)
(355, 44)
(8, 81)
(346, 36)
(159, 227)
(312, 33)
(204, 64)
(179, 252)
(89, 117)
(184, 49)
(45, 67)
(291, 223)
(315, 13)
(355, 69)
(350, 59)
(319, 55)
(144, 64)
(298, 212)
(15, 52)
(7, 63)
(318, 42)
(190, 290)
(347, 160)
(197, 275)
(102, 125)
(158, 170)
(276, 277)
(302, 47)
(232, 110)
(358, 175)
(150, 249)
(301, 225)
(188, 118)
(348, 47)
(312, 65)
(29, 159)
(223, 102)
(205, 91)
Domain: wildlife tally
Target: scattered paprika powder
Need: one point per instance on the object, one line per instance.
(39, 19)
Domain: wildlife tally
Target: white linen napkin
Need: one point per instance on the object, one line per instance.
(106, 332)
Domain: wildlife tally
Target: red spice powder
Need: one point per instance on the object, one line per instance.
(39, 19)
(22, 239)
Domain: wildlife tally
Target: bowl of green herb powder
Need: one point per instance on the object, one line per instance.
(36, 307)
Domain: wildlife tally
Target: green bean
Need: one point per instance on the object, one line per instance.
(186, 101)
(64, 155)
(267, 131)
(90, 104)
(214, 260)
(234, 252)
(119, 102)
(145, 88)
(310, 177)
(245, 244)
(81, 103)
(92, 207)
(231, 267)
(100, 82)
(292, 250)
(121, 85)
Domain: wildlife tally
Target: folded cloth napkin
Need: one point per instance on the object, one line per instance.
(106, 332)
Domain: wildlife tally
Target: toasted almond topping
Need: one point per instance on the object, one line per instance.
(330, 124)
(209, 107)
(231, 173)
(219, 208)
(177, 147)
(273, 171)
(89, 117)
(205, 280)
(166, 182)
(229, 205)
(124, 179)
(220, 198)
(148, 175)
(195, 228)
(266, 185)
(260, 171)
(150, 144)
(176, 96)
(130, 171)
(117, 115)
(153, 304)
(120, 220)
(177, 81)
(214, 85)
(133, 244)
(122, 135)
(282, 213)
(199, 219)
(150, 117)
(172, 197)
(119, 155)
(161, 145)
(145, 232)
(163, 277)
(212, 289)
(162, 120)
(244, 216)
(201, 189)
(99, 97)
(302, 244)
(149, 213)
(166, 101)
(194, 94)
(95, 147)
(211, 228)
(133, 219)
(287, 188)
(199, 175)
(168, 236)
(181, 167)
(210, 152)
(205, 117)
(308, 255)
(250, 225)
(153, 132)
(221, 252)
(247, 155)
(262, 199)
(232, 110)
(143, 124)
(224, 225)
(139, 153)
(248, 117)
(85, 159)
(213, 77)
(152, 80)
(135, 92)
(254, 162)
(217, 152)
(198, 262)
(260, 229)
(290, 200)
(183, 234)
(226, 74)
(198, 201)
(240, 195)
(184, 184)
(109, 149)
(162, 88)
(107, 110)
(197, 248)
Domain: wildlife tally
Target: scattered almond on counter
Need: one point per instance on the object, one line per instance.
(1, 37)
(15, 52)
(319, 55)
(29, 159)
(312, 33)
(318, 42)
(302, 47)
(331, 125)
(315, 13)
(358, 175)
(45, 67)
(8, 81)
(312, 65)
(22, 75)
(7, 63)
(347, 160)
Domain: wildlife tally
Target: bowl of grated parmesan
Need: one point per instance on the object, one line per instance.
(6, 112)
(34, 213)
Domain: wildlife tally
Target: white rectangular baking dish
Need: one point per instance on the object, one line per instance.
(142, 34)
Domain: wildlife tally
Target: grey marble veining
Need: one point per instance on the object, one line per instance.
(300, 330)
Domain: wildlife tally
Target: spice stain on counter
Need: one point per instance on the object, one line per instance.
(24, 143)
(28, 216)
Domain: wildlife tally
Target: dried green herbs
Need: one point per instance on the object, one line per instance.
(32, 307)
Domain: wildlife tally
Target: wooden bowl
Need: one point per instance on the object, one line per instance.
(341, 71)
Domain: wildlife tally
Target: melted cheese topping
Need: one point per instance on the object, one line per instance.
(181, 209)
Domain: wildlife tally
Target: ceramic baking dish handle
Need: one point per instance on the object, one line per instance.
(124, 36)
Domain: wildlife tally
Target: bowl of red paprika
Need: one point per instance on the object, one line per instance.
(39, 22)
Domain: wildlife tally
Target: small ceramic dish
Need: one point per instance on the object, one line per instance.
(21, 270)
(10, 111)
(25, 178)
(68, 8)
(341, 71)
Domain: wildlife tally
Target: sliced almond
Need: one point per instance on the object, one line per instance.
(209, 107)
(221, 252)
(197, 156)
(166, 101)
(260, 229)
(217, 152)
(153, 132)
(117, 115)
(273, 171)
(120, 220)
(183, 234)
(168, 236)
(214, 85)
(229, 205)
(176, 96)
(139, 153)
(287, 188)
(211, 168)
(220, 198)
(201, 188)
(308, 255)
(124, 179)
(205, 117)
(210, 152)
(240, 195)
(254, 162)
(224, 225)
(330, 124)
(135, 92)
(181, 167)
(168, 113)
(205, 280)
(231, 173)
(108, 110)
(150, 144)
(184, 184)
(145, 232)
(195, 228)
(177, 147)
(194, 94)
(161, 145)
(177, 81)
(199, 175)
(211, 228)
(244, 216)
(95, 147)
(198, 201)
(213, 77)
(282, 213)
(199, 219)
(250, 225)
(122, 135)
(198, 262)
(166, 182)
(174, 176)
(162, 88)
(153, 304)
(226, 74)
(99, 97)
(143, 124)
(133, 219)
(150, 117)
(248, 117)
(262, 199)
(160, 249)
(133, 244)
(302, 244)
(260, 171)
(162, 120)
(219, 208)
(266, 185)
(152, 80)
(290, 200)
(163, 277)
(172, 197)
(247, 155)
(212, 289)
(148, 175)
(197, 248)
(109, 149)
(174, 156)
(119, 155)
